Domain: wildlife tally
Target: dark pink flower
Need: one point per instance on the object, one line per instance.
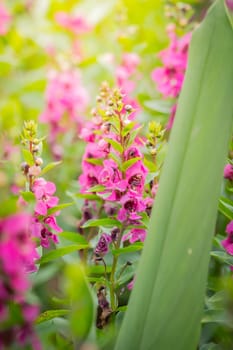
(103, 244)
(132, 205)
(228, 242)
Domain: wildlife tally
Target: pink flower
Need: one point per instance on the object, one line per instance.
(103, 244)
(43, 192)
(228, 242)
(229, 228)
(34, 170)
(5, 19)
(66, 102)
(228, 172)
(74, 23)
(132, 205)
(229, 4)
(136, 234)
(169, 78)
(45, 200)
(15, 241)
(130, 285)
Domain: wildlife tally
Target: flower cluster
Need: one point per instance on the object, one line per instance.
(5, 19)
(16, 244)
(43, 221)
(44, 218)
(169, 78)
(66, 101)
(113, 167)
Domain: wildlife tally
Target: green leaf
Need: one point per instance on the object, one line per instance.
(28, 196)
(50, 314)
(129, 249)
(98, 270)
(88, 196)
(115, 158)
(216, 316)
(150, 165)
(59, 207)
(223, 257)
(158, 106)
(28, 157)
(177, 248)
(225, 208)
(133, 134)
(105, 222)
(59, 252)
(82, 314)
(97, 188)
(116, 145)
(216, 301)
(49, 167)
(95, 161)
(73, 237)
(128, 128)
(8, 207)
(126, 165)
(210, 346)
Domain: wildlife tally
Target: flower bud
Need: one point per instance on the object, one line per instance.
(39, 161)
(24, 167)
(128, 108)
(98, 99)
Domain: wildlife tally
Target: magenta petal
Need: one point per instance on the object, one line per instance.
(52, 202)
(41, 208)
(50, 188)
(51, 221)
(229, 228)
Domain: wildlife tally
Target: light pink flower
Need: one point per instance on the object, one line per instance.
(169, 78)
(75, 23)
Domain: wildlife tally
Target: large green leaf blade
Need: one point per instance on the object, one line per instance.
(167, 301)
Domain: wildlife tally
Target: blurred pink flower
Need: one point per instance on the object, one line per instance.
(169, 78)
(75, 23)
(5, 19)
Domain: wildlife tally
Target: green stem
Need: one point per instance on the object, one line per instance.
(112, 276)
